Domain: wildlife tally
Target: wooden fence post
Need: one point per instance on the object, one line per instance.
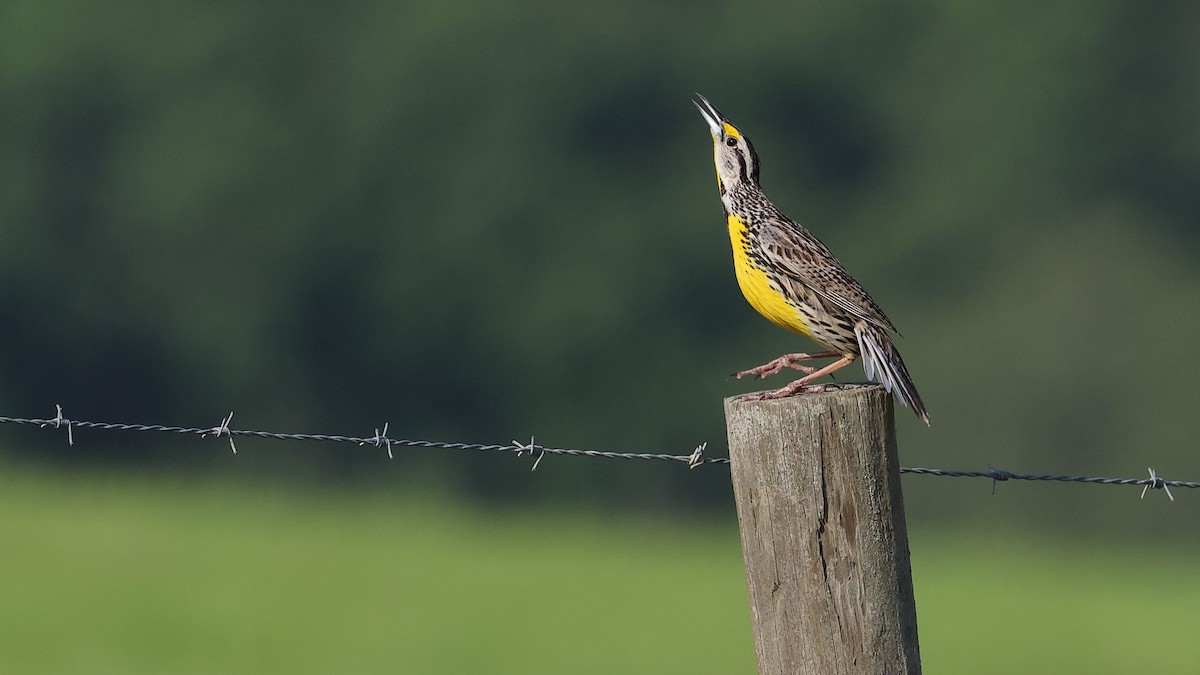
(817, 485)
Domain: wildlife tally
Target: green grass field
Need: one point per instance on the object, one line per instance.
(153, 575)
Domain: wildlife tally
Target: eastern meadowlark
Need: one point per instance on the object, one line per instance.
(793, 280)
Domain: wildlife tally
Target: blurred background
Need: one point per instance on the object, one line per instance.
(482, 221)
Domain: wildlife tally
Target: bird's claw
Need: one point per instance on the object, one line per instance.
(774, 366)
(783, 392)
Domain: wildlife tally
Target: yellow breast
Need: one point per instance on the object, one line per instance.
(756, 285)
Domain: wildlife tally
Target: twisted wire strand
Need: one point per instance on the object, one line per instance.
(377, 440)
(695, 459)
(995, 474)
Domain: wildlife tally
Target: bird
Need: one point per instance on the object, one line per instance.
(790, 277)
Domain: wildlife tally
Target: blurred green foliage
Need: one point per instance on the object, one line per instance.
(484, 220)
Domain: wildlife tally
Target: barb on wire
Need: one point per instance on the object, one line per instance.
(693, 460)
(223, 430)
(58, 421)
(1157, 483)
(997, 476)
(380, 439)
(531, 449)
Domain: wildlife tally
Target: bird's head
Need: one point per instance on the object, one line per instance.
(733, 154)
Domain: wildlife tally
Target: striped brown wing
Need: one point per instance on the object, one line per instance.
(797, 254)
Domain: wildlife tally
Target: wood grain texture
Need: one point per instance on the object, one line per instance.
(817, 484)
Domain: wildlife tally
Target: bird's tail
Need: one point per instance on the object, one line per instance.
(882, 363)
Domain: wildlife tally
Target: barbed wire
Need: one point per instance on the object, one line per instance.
(379, 439)
(1153, 482)
(696, 458)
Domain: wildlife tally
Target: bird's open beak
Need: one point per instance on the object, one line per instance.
(711, 115)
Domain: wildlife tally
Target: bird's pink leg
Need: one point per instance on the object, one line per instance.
(786, 361)
(800, 383)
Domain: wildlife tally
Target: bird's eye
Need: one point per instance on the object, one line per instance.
(731, 142)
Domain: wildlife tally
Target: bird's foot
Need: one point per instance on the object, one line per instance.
(784, 392)
(802, 384)
(786, 361)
